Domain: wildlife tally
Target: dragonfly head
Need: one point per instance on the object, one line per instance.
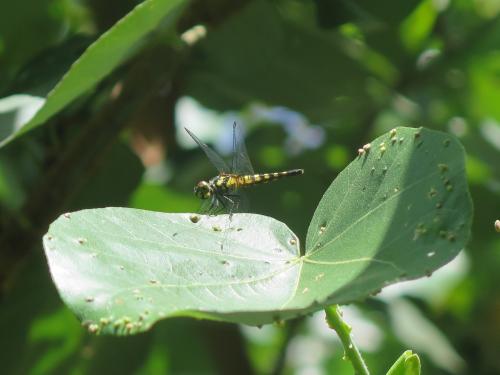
(203, 190)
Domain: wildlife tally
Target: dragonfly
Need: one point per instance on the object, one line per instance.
(221, 192)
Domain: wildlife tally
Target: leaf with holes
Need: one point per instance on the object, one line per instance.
(399, 211)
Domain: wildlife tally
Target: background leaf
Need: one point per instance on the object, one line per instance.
(323, 94)
(104, 55)
(407, 364)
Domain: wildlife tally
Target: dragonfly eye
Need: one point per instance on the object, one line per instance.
(203, 190)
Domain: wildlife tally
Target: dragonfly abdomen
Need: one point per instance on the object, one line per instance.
(253, 179)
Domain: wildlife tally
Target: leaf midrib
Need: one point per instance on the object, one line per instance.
(369, 212)
(207, 285)
(188, 249)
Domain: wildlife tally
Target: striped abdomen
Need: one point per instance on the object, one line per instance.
(253, 179)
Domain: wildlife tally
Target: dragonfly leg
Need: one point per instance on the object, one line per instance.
(231, 203)
(235, 200)
(218, 201)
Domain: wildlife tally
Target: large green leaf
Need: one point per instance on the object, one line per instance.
(105, 54)
(399, 211)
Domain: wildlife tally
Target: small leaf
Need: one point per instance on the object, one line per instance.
(399, 211)
(104, 55)
(407, 364)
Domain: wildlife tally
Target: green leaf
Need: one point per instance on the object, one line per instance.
(104, 55)
(41, 27)
(417, 27)
(399, 211)
(407, 364)
(15, 108)
(307, 70)
(123, 269)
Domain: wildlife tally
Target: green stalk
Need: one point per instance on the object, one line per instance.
(335, 321)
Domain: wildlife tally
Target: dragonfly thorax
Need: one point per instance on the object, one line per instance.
(203, 190)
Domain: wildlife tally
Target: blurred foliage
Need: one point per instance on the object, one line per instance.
(352, 70)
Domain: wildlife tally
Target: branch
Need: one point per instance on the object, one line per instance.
(335, 321)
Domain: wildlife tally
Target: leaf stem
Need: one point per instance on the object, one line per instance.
(336, 322)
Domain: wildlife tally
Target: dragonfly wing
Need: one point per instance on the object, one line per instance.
(209, 206)
(214, 157)
(241, 163)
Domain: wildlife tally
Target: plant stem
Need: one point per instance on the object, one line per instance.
(335, 321)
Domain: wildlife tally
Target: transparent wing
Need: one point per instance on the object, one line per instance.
(241, 163)
(214, 157)
(208, 207)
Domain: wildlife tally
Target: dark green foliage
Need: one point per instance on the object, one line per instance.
(110, 84)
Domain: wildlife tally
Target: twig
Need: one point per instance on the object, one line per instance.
(335, 321)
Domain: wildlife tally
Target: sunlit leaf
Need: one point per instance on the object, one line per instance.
(399, 211)
(418, 25)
